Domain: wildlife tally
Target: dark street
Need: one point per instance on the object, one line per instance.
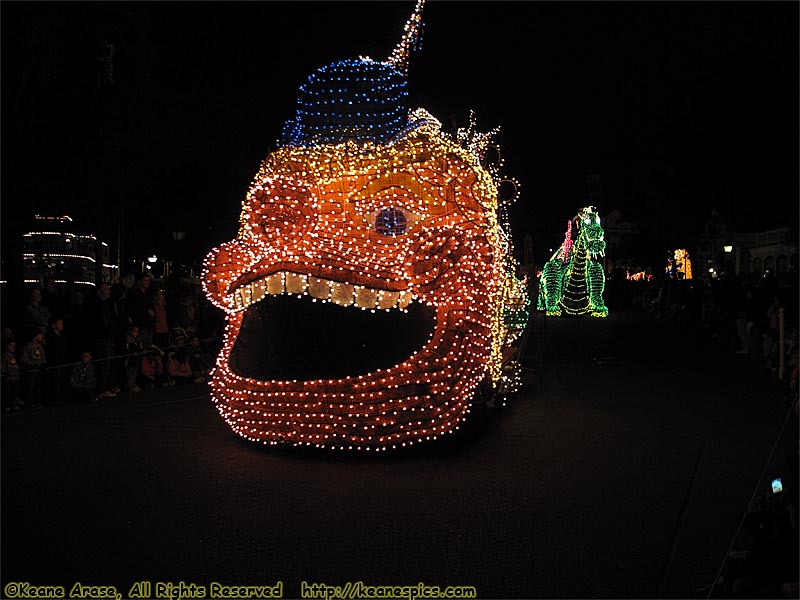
(621, 470)
(233, 227)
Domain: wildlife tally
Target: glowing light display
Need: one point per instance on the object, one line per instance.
(371, 208)
(638, 276)
(572, 281)
(680, 265)
(54, 251)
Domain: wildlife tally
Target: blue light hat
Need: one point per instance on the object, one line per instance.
(356, 100)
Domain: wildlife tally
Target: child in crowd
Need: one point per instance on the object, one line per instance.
(179, 370)
(12, 397)
(200, 360)
(162, 330)
(34, 361)
(152, 371)
(83, 380)
(133, 352)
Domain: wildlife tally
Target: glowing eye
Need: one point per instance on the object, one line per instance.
(391, 221)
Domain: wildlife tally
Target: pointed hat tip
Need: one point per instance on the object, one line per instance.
(399, 58)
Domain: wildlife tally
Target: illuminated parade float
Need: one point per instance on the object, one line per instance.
(370, 292)
(680, 265)
(572, 281)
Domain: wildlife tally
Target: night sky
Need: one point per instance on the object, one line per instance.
(679, 107)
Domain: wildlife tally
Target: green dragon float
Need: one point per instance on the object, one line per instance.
(573, 280)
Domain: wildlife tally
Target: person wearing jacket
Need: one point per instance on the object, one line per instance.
(83, 380)
(34, 361)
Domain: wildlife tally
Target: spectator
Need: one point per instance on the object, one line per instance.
(133, 355)
(178, 338)
(768, 567)
(12, 398)
(8, 335)
(773, 313)
(121, 322)
(179, 370)
(58, 357)
(188, 314)
(101, 316)
(36, 316)
(161, 335)
(152, 373)
(199, 359)
(74, 297)
(770, 350)
(745, 321)
(33, 361)
(140, 309)
(83, 381)
(52, 298)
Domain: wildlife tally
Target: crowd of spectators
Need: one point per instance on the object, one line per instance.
(742, 314)
(753, 317)
(136, 335)
(765, 561)
(69, 344)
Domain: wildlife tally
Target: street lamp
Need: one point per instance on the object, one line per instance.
(729, 264)
(152, 259)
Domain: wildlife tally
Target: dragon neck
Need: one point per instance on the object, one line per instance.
(579, 250)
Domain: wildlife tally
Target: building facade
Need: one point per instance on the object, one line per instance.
(772, 253)
(54, 250)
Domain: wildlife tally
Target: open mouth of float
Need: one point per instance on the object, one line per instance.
(303, 328)
(596, 247)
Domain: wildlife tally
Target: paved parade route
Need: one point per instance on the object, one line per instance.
(619, 472)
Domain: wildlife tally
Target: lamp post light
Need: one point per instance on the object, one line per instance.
(728, 248)
(149, 263)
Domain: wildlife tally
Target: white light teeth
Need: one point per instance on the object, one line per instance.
(387, 300)
(343, 294)
(366, 297)
(275, 283)
(405, 299)
(319, 288)
(296, 283)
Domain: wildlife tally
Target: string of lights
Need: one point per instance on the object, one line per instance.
(368, 206)
(573, 281)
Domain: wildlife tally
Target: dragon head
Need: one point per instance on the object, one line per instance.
(589, 227)
(364, 289)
